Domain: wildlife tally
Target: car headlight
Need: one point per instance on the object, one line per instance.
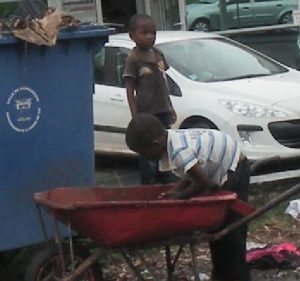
(251, 110)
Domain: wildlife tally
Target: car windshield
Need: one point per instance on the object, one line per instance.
(217, 59)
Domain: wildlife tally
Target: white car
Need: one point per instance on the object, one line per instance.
(214, 83)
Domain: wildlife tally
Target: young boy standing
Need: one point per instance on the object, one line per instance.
(145, 80)
(205, 160)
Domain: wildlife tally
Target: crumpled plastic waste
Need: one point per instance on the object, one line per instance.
(294, 209)
(253, 245)
(203, 277)
(283, 256)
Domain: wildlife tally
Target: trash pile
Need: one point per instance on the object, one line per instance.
(37, 24)
(294, 209)
(282, 256)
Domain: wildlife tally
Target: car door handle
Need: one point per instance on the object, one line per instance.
(117, 98)
(178, 24)
(279, 5)
(246, 8)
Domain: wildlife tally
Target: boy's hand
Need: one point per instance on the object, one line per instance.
(171, 194)
(175, 191)
(173, 116)
(188, 192)
(178, 194)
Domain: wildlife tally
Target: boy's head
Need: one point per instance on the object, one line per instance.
(146, 135)
(142, 31)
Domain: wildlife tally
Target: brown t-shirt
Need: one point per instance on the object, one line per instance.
(152, 95)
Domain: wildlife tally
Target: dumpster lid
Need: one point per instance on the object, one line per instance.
(80, 32)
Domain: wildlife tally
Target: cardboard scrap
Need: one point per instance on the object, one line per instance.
(44, 31)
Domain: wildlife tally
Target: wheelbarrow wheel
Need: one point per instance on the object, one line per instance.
(46, 265)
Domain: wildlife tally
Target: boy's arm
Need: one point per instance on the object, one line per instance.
(174, 115)
(200, 185)
(173, 112)
(130, 76)
(130, 89)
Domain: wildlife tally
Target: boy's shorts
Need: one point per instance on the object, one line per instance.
(238, 179)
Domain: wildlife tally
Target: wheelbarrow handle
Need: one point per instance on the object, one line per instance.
(274, 164)
(258, 164)
(258, 212)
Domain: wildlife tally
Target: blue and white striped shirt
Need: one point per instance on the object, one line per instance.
(216, 152)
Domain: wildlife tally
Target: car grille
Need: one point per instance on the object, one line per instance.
(286, 133)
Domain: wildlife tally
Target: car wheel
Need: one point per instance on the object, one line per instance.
(286, 18)
(198, 123)
(200, 25)
(46, 265)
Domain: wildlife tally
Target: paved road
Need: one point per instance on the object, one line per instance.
(116, 171)
(121, 171)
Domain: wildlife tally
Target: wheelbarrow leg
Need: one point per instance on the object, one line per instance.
(194, 262)
(150, 268)
(42, 223)
(168, 263)
(83, 266)
(171, 265)
(132, 266)
(58, 240)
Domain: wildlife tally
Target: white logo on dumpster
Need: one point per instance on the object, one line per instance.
(23, 110)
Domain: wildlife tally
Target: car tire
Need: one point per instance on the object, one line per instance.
(45, 264)
(198, 123)
(286, 18)
(200, 25)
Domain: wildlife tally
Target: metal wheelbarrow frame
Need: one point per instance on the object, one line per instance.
(190, 235)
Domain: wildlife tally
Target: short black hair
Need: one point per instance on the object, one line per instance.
(142, 131)
(133, 22)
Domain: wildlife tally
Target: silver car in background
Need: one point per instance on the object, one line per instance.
(204, 15)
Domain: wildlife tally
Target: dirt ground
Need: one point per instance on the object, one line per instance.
(117, 269)
(273, 227)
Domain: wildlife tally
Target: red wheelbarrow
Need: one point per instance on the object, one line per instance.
(132, 218)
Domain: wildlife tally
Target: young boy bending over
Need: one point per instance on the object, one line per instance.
(205, 160)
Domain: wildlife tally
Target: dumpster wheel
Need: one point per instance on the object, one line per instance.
(46, 265)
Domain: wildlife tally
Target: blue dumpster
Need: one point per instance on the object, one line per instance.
(46, 124)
